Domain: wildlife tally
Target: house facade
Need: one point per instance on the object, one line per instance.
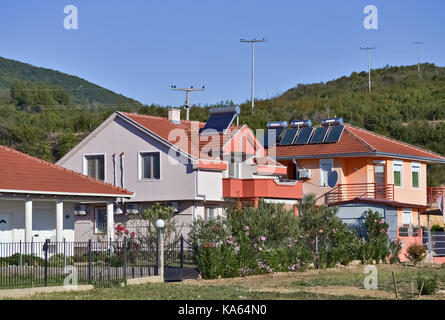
(358, 170)
(197, 168)
(38, 200)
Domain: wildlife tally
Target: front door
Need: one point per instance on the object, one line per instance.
(100, 220)
(380, 180)
(5, 228)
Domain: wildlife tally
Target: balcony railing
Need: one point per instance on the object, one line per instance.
(262, 188)
(346, 192)
(433, 193)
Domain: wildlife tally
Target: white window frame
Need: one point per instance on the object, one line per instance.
(210, 207)
(139, 165)
(323, 162)
(236, 165)
(85, 163)
(416, 166)
(405, 212)
(96, 230)
(398, 163)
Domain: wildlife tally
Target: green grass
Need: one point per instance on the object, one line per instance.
(176, 291)
(354, 278)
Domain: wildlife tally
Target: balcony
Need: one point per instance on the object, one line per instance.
(262, 188)
(347, 192)
(433, 193)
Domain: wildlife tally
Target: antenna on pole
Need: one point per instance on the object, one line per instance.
(253, 41)
(418, 43)
(187, 97)
(369, 63)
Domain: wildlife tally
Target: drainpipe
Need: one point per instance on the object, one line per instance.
(294, 161)
(114, 169)
(122, 174)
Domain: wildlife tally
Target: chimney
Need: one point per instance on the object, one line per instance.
(174, 115)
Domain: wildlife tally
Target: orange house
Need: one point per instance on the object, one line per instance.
(358, 170)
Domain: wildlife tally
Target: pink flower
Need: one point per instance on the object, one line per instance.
(263, 238)
(321, 231)
(261, 249)
(375, 220)
(246, 228)
(229, 242)
(247, 233)
(289, 245)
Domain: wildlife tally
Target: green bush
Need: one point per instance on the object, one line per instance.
(394, 248)
(415, 252)
(58, 260)
(436, 227)
(217, 261)
(27, 259)
(429, 283)
(377, 245)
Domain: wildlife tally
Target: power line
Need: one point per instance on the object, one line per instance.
(187, 97)
(418, 43)
(369, 63)
(253, 65)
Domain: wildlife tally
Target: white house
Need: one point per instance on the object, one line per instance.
(38, 199)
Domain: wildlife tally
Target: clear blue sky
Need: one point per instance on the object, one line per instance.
(139, 47)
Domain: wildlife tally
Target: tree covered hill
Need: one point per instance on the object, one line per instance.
(81, 91)
(400, 105)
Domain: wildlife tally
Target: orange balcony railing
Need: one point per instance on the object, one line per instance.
(262, 188)
(433, 193)
(346, 192)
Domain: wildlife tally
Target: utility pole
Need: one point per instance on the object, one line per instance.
(253, 66)
(418, 43)
(369, 63)
(187, 97)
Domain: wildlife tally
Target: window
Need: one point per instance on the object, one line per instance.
(407, 216)
(325, 169)
(100, 220)
(415, 174)
(234, 170)
(94, 166)
(149, 166)
(398, 173)
(210, 213)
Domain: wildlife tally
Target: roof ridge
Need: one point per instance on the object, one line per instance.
(360, 140)
(159, 117)
(55, 166)
(396, 141)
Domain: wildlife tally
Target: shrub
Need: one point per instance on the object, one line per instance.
(27, 259)
(217, 261)
(437, 227)
(429, 283)
(416, 252)
(394, 248)
(377, 245)
(58, 260)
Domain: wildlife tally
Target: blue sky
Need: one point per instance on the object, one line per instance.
(139, 47)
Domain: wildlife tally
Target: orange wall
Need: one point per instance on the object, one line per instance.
(361, 170)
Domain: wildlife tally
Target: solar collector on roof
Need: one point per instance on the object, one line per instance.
(334, 134)
(319, 135)
(289, 136)
(220, 119)
(303, 136)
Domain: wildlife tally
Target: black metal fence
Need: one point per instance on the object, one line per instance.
(435, 241)
(33, 264)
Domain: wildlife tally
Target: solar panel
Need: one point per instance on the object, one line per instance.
(334, 134)
(219, 121)
(272, 135)
(289, 136)
(319, 135)
(303, 136)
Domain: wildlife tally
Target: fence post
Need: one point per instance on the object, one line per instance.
(316, 252)
(157, 254)
(89, 261)
(125, 260)
(45, 250)
(21, 260)
(182, 252)
(161, 255)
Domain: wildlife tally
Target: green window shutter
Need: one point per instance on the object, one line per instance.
(397, 178)
(415, 179)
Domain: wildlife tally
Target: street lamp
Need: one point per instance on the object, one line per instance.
(160, 224)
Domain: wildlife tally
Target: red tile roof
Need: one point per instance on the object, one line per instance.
(23, 173)
(195, 142)
(358, 140)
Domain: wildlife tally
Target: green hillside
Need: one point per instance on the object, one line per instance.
(81, 91)
(400, 105)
